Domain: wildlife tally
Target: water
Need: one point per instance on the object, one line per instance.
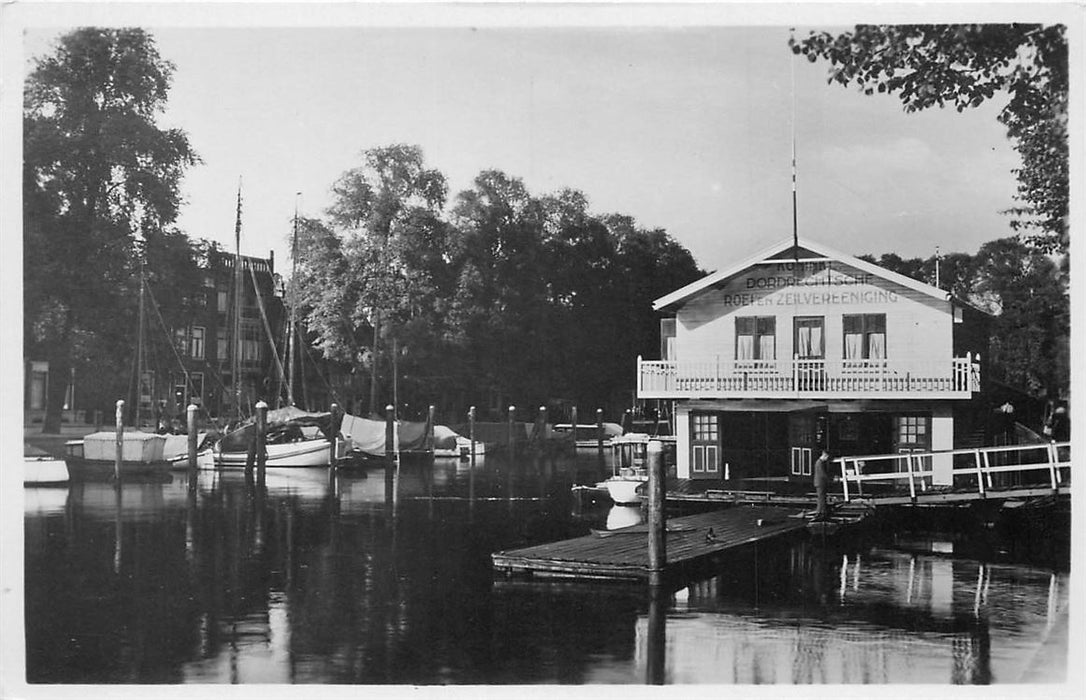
(367, 580)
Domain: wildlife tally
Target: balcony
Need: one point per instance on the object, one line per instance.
(715, 378)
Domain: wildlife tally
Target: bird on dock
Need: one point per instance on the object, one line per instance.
(710, 536)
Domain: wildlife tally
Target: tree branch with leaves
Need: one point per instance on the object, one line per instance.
(962, 66)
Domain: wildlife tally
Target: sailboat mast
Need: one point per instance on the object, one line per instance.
(291, 301)
(139, 347)
(236, 365)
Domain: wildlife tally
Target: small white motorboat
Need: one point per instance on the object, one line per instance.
(624, 486)
(628, 456)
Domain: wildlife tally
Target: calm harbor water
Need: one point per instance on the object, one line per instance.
(359, 579)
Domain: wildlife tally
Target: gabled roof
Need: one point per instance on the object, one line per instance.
(775, 252)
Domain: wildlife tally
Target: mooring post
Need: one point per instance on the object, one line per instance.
(471, 470)
(654, 458)
(430, 416)
(120, 441)
(333, 429)
(573, 415)
(191, 414)
(599, 434)
(656, 636)
(390, 434)
(260, 440)
(541, 429)
(471, 433)
(512, 435)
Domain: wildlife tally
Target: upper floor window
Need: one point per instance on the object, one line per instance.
(755, 338)
(198, 342)
(180, 340)
(865, 336)
(222, 300)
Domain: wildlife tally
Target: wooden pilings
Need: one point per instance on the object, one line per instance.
(599, 434)
(541, 425)
(512, 434)
(260, 440)
(120, 441)
(191, 416)
(333, 430)
(430, 417)
(656, 636)
(657, 545)
(390, 433)
(471, 434)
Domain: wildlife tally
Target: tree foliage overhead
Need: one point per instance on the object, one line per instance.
(1022, 288)
(962, 66)
(507, 297)
(98, 173)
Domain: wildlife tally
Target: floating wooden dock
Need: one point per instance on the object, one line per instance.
(623, 554)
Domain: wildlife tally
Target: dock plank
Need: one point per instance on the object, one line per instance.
(623, 554)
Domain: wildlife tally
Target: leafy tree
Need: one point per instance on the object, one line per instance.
(499, 310)
(1023, 289)
(512, 297)
(1029, 341)
(648, 264)
(963, 66)
(385, 229)
(97, 172)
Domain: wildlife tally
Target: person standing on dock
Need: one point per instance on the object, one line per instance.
(821, 481)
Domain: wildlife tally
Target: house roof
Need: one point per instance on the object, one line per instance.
(774, 252)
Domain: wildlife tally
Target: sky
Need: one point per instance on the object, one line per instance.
(683, 125)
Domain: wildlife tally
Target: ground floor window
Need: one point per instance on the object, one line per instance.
(913, 433)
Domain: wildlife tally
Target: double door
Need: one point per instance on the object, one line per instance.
(705, 446)
(806, 438)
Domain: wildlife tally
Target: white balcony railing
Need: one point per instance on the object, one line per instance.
(956, 377)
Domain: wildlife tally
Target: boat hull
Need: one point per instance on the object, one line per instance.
(308, 453)
(82, 469)
(623, 490)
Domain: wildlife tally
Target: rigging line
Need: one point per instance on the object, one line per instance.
(173, 347)
(264, 318)
(331, 389)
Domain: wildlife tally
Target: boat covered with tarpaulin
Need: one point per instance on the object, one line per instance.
(292, 438)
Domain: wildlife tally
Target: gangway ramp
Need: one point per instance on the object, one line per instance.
(1001, 472)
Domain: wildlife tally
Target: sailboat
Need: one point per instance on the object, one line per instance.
(293, 437)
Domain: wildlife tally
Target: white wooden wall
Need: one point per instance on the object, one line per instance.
(918, 326)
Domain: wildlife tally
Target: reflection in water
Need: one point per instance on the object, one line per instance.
(623, 516)
(895, 618)
(384, 577)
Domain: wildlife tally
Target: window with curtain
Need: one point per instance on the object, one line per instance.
(809, 343)
(755, 338)
(865, 336)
